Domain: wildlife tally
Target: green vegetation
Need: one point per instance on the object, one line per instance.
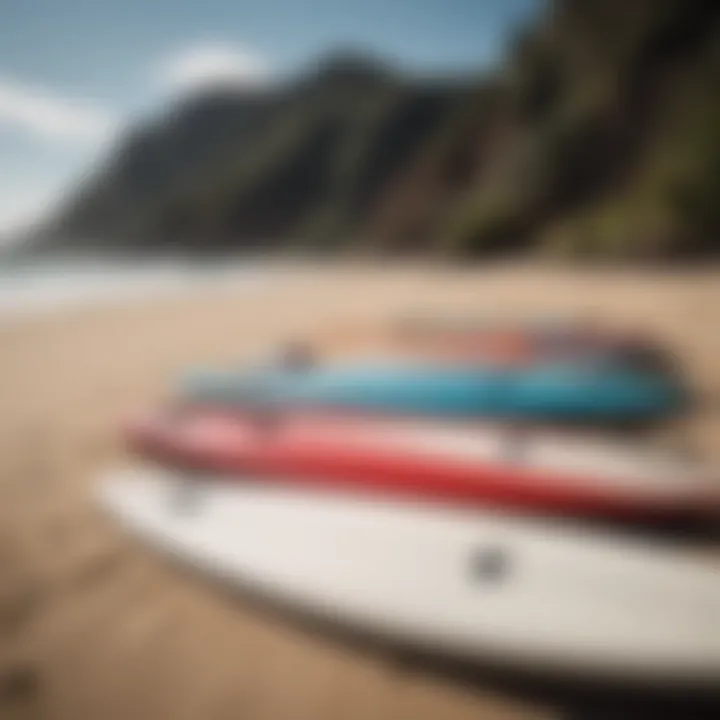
(599, 136)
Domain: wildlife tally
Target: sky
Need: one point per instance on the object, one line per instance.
(74, 73)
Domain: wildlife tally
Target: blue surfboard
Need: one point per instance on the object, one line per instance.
(560, 391)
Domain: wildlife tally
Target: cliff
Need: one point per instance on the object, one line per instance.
(597, 135)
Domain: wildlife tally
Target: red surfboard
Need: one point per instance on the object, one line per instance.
(488, 465)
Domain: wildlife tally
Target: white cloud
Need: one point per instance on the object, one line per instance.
(40, 113)
(212, 64)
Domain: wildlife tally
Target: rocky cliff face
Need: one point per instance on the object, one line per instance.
(599, 135)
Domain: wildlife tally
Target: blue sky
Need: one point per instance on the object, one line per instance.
(73, 72)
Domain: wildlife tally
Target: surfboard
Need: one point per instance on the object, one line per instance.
(526, 594)
(482, 464)
(561, 391)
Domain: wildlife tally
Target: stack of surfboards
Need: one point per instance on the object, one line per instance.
(468, 538)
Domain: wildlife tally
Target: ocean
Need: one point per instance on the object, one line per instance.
(49, 285)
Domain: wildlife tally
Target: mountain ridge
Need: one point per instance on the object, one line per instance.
(598, 135)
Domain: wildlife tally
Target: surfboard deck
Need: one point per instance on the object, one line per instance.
(523, 593)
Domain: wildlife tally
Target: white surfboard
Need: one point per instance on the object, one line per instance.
(479, 585)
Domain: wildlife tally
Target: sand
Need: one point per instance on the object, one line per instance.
(94, 626)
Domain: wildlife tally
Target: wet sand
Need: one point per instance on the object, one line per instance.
(94, 626)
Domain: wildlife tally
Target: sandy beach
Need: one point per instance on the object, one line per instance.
(94, 626)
